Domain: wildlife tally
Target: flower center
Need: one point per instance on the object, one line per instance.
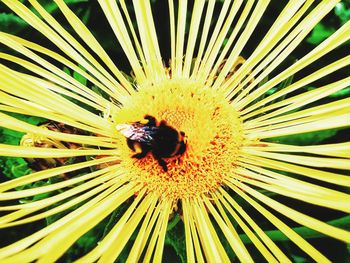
(213, 136)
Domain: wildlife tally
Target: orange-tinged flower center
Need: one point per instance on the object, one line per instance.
(213, 133)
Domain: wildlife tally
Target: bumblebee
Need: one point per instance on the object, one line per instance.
(157, 138)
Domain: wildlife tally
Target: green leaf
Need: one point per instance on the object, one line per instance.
(20, 168)
(79, 77)
(13, 167)
(341, 93)
(342, 12)
(320, 33)
(76, 75)
(309, 138)
(51, 7)
(29, 119)
(173, 222)
(263, 81)
(285, 83)
(11, 23)
(86, 15)
(11, 136)
(175, 239)
(298, 259)
(66, 70)
(305, 232)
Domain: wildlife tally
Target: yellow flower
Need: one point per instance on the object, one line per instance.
(224, 105)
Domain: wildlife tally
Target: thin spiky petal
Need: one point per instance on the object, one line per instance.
(37, 152)
(256, 13)
(21, 126)
(194, 26)
(293, 236)
(289, 16)
(330, 177)
(229, 203)
(335, 40)
(19, 251)
(142, 237)
(95, 46)
(251, 167)
(334, 149)
(22, 215)
(45, 174)
(232, 236)
(115, 19)
(253, 110)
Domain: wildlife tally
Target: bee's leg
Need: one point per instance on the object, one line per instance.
(141, 150)
(131, 144)
(182, 148)
(160, 161)
(163, 164)
(139, 155)
(151, 120)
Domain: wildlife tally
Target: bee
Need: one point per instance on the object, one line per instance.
(157, 138)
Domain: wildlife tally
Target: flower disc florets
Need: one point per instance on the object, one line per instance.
(213, 133)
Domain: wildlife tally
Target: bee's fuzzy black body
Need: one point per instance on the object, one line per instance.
(159, 139)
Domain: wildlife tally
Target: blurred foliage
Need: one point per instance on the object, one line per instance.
(51, 7)
(92, 16)
(15, 167)
(326, 28)
(12, 23)
(320, 33)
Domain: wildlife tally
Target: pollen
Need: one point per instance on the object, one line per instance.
(213, 135)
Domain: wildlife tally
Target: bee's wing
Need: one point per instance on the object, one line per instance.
(138, 132)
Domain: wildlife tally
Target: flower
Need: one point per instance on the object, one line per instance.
(234, 173)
